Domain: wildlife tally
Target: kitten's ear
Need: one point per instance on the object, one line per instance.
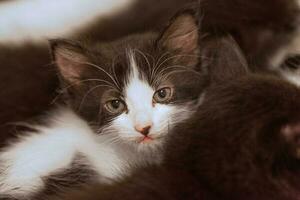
(222, 59)
(181, 36)
(69, 58)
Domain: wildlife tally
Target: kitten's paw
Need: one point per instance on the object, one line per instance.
(291, 133)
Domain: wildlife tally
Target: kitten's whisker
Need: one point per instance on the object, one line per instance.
(88, 92)
(114, 73)
(145, 58)
(161, 57)
(166, 76)
(56, 97)
(161, 76)
(101, 69)
(173, 57)
(113, 140)
(179, 67)
(156, 68)
(169, 58)
(70, 85)
(88, 80)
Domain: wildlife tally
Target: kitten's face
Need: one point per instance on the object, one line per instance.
(147, 107)
(138, 88)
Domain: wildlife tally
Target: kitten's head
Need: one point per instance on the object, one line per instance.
(137, 88)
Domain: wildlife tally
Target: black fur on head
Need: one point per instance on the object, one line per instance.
(92, 73)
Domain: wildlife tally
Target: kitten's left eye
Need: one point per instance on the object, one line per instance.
(115, 106)
(163, 95)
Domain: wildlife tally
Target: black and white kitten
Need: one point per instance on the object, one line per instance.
(122, 99)
(242, 143)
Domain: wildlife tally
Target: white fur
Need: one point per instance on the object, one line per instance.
(25, 163)
(39, 19)
(142, 113)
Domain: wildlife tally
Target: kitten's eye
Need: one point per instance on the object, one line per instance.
(115, 106)
(162, 95)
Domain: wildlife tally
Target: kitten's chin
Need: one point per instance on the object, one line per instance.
(149, 143)
(145, 140)
(146, 143)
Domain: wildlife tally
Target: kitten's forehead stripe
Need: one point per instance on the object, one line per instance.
(134, 72)
(137, 86)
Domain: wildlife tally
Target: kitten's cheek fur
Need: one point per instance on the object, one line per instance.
(164, 118)
(161, 114)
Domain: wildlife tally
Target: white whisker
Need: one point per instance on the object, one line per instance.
(89, 91)
(103, 70)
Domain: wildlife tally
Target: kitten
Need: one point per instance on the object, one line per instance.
(242, 143)
(28, 82)
(122, 100)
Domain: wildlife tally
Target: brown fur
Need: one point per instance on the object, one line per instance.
(27, 87)
(260, 27)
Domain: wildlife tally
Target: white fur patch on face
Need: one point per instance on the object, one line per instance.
(143, 113)
(38, 20)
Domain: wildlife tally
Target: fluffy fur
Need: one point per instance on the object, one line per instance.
(25, 164)
(243, 142)
(92, 75)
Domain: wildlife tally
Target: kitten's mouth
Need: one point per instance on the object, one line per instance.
(146, 139)
(149, 140)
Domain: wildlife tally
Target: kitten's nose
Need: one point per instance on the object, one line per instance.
(143, 130)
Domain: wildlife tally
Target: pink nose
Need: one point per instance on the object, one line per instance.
(143, 130)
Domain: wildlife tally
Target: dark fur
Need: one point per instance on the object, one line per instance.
(248, 32)
(170, 48)
(139, 17)
(260, 27)
(27, 87)
(234, 148)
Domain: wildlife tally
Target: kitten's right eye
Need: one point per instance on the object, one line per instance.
(162, 95)
(115, 106)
